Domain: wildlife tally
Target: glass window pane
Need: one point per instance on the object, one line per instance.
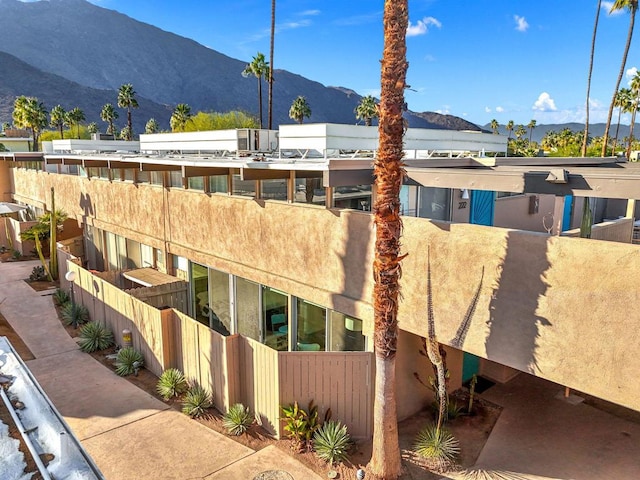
(311, 327)
(219, 310)
(175, 178)
(157, 178)
(196, 183)
(310, 190)
(248, 308)
(274, 189)
(275, 318)
(434, 203)
(246, 188)
(218, 184)
(345, 333)
(355, 197)
(143, 176)
(200, 293)
(134, 257)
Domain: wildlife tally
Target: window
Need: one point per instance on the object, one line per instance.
(274, 189)
(275, 318)
(426, 202)
(200, 293)
(345, 333)
(245, 188)
(175, 178)
(218, 184)
(219, 307)
(355, 197)
(311, 326)
(196, 183)
(248, 308)
(309, 190)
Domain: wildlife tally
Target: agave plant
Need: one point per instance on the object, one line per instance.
(74, 314)
(94, 337)
(332, 441)
(171, 383)
(60, 297)
(238, 419)
(128, 361)
(196, 401)
(438, 446)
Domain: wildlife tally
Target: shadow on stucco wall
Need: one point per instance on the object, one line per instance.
(514, 324)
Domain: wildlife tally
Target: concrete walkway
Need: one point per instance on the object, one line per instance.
(128, 433)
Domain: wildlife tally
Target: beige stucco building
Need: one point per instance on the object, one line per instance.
(278, 248)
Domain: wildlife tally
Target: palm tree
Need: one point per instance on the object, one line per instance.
(58, 119)
(531, 126)
(509, 128)
(127, 99)
(29, 112)
(635, 98)
(92, 128)
(6, 126)
(593, 48)
(151, 126)
(180, 117)
(520, 131)
(632, 6)
(388, 170)
(273, 31)
(623, 104)
(259, 68)
(494, 126)
(109, 114)
(299, 109)
(366, 110)
(76, 116)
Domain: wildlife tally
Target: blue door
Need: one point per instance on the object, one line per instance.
(470, 366)
(566, 215)
(482, 207)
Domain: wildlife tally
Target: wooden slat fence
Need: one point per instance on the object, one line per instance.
(173, 295)
(342, 381)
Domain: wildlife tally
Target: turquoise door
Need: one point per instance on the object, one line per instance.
(566, 215)
(470, 366)
(482, 207)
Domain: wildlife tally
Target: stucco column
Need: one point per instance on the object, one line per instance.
(558, 214)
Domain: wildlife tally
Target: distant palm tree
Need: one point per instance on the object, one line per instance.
(632, 6)
(76, 116)
(494, 126)
(127, 99)
(299, 109)
(151, 126)
(273, 32)
(259, 68)
(109, 114)
(180, 117)
(531, 126)
(623, 104)
(635, 98)
(6, 126)
(366, 110)
(30, 113)
(58, 119)
(509, 128)
(92, 128)
(125, 133)
(593, 49)
(520, 131)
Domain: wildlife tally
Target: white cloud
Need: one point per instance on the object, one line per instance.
(308, 13)
(521, 23)
(444, 110)
(429, 58)
(499, 109)
(607, 6)
(487, 109)
(630, 73)
(422, 26)
(544, 103)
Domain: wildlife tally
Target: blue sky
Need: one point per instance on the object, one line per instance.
(477, 59)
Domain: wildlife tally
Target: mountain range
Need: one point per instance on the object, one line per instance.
(595, 129)
(74, 53)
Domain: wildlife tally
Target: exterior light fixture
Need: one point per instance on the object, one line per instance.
(464, 194)
(70, 277)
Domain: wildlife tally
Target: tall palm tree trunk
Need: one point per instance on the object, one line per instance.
(633, 121)
(615, 140)
(129, 123)
(273, 31)
(388, 170)
(593, 49)
(620, 74)
(260, 98)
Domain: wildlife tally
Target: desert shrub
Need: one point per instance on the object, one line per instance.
(301, 424)
(196, 401)
(238, 419)
(332, 441)
(94, 337)
(38, 273)
(74, 314)
(128, 361)
(171, 383)
(438, 446)
(60, 297)
(16, 255)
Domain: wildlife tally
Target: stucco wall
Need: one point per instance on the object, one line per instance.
(561, 308)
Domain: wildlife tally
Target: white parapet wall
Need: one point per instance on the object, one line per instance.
(232, 140)
(328, 138)
(91, 146)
